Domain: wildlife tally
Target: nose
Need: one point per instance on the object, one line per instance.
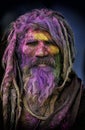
(41, 49)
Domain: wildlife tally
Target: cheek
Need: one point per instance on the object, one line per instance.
(28, 50)
(53, 50)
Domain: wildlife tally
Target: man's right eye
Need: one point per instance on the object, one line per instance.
(34, 43)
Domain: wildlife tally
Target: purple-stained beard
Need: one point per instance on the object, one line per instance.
(40, 84)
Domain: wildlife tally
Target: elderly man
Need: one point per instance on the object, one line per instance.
(40, 91)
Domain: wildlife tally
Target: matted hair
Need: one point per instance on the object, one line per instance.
(11, 91)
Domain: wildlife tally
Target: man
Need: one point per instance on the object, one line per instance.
(40, 91)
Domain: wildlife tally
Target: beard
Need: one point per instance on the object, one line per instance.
(39, 80)
(39, 86)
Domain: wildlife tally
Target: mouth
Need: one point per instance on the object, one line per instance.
(43, 65)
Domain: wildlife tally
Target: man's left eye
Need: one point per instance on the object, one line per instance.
(48, 43)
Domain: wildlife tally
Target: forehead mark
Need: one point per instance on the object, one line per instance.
(42, 36)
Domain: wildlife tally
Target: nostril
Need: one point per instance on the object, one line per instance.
(42, 53)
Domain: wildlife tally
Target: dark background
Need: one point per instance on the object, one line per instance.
(72, 10)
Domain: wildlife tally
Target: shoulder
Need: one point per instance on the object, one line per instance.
(81, 111)
(80, 120)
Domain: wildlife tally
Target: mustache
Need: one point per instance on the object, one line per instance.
(47, 60)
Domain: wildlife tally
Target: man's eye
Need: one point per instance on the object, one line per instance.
(48, 43)
(32, 43)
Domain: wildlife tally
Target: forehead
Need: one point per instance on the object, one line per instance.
(38, 35)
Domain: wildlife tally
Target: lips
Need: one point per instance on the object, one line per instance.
(42, 65)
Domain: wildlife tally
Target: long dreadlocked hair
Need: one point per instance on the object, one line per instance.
(11, 91)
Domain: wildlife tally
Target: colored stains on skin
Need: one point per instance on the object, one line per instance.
(39, 43)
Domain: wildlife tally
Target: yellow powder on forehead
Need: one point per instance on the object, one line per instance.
(45, 36)
(42, 36)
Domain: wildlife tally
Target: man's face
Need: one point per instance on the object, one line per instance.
(39, 44)
(40, 65)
